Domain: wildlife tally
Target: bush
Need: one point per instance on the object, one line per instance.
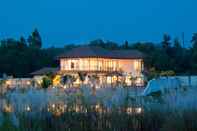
(167, 73)
(46, 82)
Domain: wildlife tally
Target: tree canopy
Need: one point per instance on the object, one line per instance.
(19, 57)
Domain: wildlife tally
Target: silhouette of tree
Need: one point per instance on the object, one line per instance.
(35, 40)
(126, 45)
(166, 41)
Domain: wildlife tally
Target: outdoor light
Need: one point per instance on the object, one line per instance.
(65, 86)
(53, 106)
(28, 108)
(138, 110)
(28, 83)
(8, 108)
(8, 82)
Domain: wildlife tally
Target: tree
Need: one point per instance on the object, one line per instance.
(194, 52)
(46, 82)
(22, 43)
(178, 54)
(166, 41)
(126, 45)
(98, 42)
(22, 40)
(152, 73)
(194, 41)
(35, 40)
(177, 44)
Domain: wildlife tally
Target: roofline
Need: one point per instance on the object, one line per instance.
(61, 57)
(98, 52)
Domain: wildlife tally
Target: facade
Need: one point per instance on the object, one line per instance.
(109, 66)
(12, 83)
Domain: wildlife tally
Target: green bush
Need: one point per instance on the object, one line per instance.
(46, 82)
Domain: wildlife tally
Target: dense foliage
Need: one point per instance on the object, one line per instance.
(23, 56)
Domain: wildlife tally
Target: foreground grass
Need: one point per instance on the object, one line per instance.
(152, 120)
(174, 112)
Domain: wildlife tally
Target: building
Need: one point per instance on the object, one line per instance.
(13, 83)
(109, 66)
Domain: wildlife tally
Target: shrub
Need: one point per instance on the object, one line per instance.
(46, 82)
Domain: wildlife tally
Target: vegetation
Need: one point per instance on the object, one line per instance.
(153, 120)
(82, 76)
(46, 82)
(68, 80)
(99, 113)
(27, 55)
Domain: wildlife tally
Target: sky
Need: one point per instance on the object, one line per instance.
(63, 22)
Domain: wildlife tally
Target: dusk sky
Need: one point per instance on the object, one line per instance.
(78, 21)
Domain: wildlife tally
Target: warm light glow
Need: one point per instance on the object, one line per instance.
(131, 110)
(56, 80)
(128, 80)
(8, 108)
(129, 67)
(28, 83)
(53, 105)
(109, 80)
(28, 108)
(8, 82)
(139, 81)
(97, 86)
(65, 86)
(89, 64)
(138, 110)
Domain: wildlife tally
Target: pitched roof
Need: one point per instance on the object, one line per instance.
(92, 51)
(45, 71)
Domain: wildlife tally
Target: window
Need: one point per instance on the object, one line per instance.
(72, 66)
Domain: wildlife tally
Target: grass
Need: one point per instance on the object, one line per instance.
(82, 115)
(154, 120)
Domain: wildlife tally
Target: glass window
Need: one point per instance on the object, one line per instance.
(72, 66)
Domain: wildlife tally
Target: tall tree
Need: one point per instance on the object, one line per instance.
(166, 41)
(194, 41)
(177, 44)
(35, 39)
(22, 43)
(126, 45)
(194, 52)
(22, 40)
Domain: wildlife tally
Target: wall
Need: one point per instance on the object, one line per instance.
(18, 82)
(131, 66)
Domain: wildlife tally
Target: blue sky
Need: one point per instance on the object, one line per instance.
(79, 21)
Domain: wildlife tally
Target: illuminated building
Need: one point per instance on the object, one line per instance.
(109, 66)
